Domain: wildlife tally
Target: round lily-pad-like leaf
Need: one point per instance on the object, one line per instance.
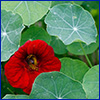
(58, 46)
(75, 47)
(55, 85)
(70, 23)
(30, 11)
(75, 69)
(91, 83)
(34, 33)
(11, 27)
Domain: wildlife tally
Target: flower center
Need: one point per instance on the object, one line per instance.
(32, 61)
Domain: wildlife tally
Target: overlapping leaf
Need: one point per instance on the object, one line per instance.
(91, 83)
(30, 11)
(75, 47)
(11, 27)
(56, 85)
(75, 69)
(71, 23)
(58, 45)
(34, 33)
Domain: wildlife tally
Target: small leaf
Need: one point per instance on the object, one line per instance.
(91, 83)
(71, 23)
(11, 27)
(75, 47)
(11, 96)
(55, 85)
(58, 45)
(75, 69)
(34, 33)
(30, 11)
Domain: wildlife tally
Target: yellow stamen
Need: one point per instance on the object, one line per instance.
(32, 61)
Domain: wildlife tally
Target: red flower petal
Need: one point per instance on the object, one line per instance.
(52, 65)
(22, 51)
(16, 73)
(32, 77)
(40, 48)
(17, 69)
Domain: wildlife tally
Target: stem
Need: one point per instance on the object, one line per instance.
(86, 56)
(10, 90)
(97, 57)
(90, 56)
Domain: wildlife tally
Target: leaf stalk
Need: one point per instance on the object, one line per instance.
(86, 55)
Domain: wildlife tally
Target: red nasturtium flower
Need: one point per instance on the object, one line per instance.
(31, 59)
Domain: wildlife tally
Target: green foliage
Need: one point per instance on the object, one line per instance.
(11, 96)
(30, 11)
(34, 33)
(78, 2)
(75, 47)
(11, 27)
(91, 83)
(58, 45)
(49, 86)
(75, 69)
(53, 3)
(6, 88)
(89, 5)
(64, 25)
(75, 27)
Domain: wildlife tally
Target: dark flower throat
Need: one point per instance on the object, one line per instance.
(32, 62)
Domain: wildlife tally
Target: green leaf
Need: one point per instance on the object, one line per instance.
(89, 5)
(75, 47)
(11, 27)
(71, 23)
(77, 2)
(58, 45)
(34, 33)
(6, 88)
(11, 96)
(30, 11)
(91, 83)
(53, 3)
(55, 85)
(75, 69)
(95, 14)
